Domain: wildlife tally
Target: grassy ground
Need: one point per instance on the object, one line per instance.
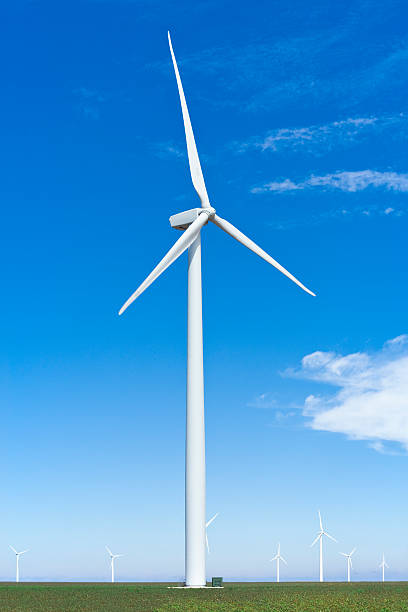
(235, 597)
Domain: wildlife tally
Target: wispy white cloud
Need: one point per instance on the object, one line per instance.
(349, 181)
(166, 150)
(278, 414)
(263, 401)
(89, 101)
(371, 401)
(338, 214)
(89, 94)
(318, 139)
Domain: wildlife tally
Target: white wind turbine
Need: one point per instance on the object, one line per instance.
(17, 561)
(383, 565)
(112, 560)
(319, 537)
(191, 222)
(349, 562)
(208, 523)
(278, 558)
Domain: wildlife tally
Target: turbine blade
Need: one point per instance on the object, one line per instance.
(23, 551)
(193, 159)
(344, 554)
(353, 551)
(282, 559)
(329, 536)
(206, 543)
(320, 520)
(109, 551)
(314, 541)
(211, 519)
(176, 250)
(350, 561)
(235, 233)
(13, 549)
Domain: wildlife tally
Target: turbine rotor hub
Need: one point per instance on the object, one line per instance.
(209, 211)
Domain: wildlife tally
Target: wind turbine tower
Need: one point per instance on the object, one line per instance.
(18, 554)
(278, 558)
(383, 565)
(112, 562)
(319, 538)
(208, 523)
(349, 563)
(191, 223)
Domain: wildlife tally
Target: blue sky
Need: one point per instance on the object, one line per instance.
(300, 116)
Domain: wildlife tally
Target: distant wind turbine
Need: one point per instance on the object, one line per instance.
(112, 559)
(208, 523)
(191, 222)
(349, 563)
(278, 558)
(17, 561)
(383, 565)
(319, 537)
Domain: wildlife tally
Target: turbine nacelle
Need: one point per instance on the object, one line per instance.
(182, 220)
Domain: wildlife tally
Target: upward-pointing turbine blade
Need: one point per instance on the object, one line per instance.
(13, 549)
(353, 551)
(193, 160)
(109, 551)
(176, 250)
(211, 519)
(320, 520)
(235, 233)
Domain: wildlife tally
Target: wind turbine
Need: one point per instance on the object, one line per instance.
(349, 563)
(383, 565)
(278, 558)
(191, 222)
(208, 523)
(319, 537)
(112, 559)
(17, 561)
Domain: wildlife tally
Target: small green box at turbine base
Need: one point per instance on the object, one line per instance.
(216, 582)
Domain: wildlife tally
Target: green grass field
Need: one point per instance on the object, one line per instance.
(235, 597)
